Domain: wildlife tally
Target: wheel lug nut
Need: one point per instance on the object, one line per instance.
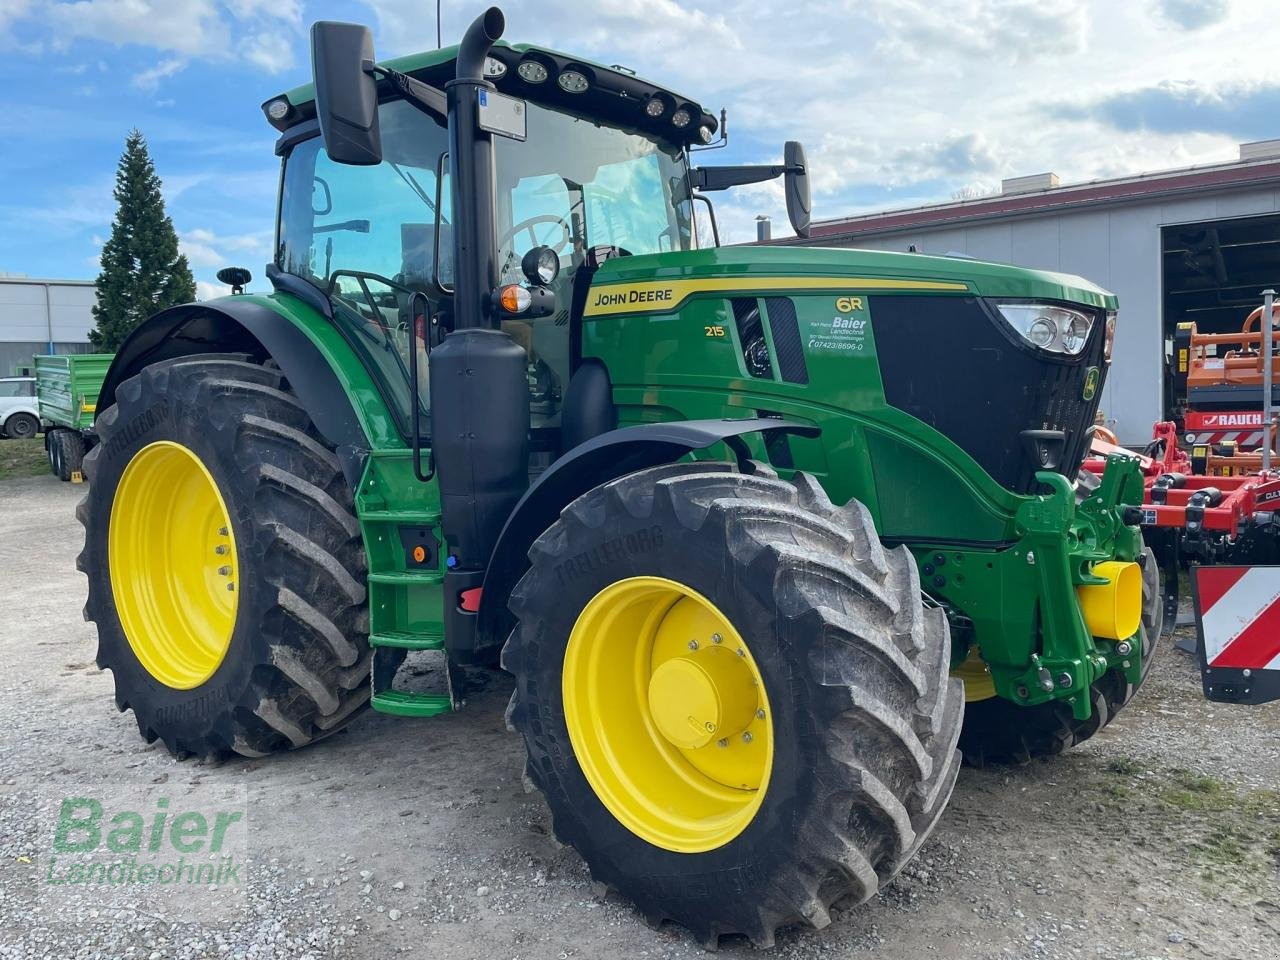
(741, 652)
(222, 531)
(716, 638)
(746, 737)
(722, 743)
(220, 549)
(224, 571)
(231, 587)
(760, 713)
(693, 644)
(711, 727)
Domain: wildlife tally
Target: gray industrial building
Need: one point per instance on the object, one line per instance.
(1197, 244)
(43, 316)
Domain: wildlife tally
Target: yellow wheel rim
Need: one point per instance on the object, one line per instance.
(173, 565)
(668, 714)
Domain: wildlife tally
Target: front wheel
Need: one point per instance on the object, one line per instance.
(226, 574)
(732, 696)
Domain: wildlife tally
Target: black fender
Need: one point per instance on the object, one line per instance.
(232, 325)
(598, 460)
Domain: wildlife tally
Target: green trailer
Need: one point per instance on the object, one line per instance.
(67, 388)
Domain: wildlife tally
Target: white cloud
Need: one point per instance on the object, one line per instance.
(192, 27)
(1194, 14)
(149, 80)
(208, 291)
(261, 32)
(270, 50)
(205, 249)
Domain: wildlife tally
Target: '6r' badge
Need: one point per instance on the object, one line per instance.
(1090, 383)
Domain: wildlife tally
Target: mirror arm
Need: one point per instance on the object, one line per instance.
(423, 96)
(722, 178)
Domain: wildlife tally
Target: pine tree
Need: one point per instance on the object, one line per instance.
(142, 270)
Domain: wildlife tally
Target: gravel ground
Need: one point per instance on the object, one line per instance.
(1158, 839)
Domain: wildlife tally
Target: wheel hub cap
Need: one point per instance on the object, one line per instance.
(694, 700)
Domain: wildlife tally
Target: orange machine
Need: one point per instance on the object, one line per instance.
(1221, 376)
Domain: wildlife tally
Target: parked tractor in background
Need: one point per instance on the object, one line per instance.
(67, 388)
(749, 526)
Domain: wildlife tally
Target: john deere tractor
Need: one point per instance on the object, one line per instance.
(751, 527)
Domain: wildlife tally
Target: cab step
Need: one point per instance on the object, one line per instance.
(401, 703)
(421, 518)
(407, 578)
(430, 639)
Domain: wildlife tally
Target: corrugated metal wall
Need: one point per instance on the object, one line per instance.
(38, 311)
(1118, 248)
(15, 358)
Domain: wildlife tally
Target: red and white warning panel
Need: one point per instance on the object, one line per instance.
(1242, 427)
(1238, 632)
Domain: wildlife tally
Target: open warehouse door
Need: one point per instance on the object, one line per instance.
(1212, 278)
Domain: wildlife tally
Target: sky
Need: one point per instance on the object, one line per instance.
(898, 102)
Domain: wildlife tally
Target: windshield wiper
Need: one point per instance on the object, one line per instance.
(414, 186)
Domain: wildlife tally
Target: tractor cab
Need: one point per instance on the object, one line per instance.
(596, 166)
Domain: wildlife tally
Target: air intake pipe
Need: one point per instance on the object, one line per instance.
(479, 389)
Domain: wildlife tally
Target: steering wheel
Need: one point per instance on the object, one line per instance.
(530, 223)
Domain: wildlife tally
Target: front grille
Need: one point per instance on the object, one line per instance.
(951, 362)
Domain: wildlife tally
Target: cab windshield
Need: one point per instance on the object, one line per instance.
(368, 237)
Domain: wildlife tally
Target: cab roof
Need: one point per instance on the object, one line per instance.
(614, 94)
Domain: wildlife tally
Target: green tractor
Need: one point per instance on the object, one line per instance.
(753, 528)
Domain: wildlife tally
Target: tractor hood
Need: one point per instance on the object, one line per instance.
(820, 268)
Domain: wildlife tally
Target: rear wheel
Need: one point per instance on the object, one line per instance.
(732, 696)
(21, 426)
(66, 453)
(226, 575)
(999, 731)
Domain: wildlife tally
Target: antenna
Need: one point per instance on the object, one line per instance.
(438, 44)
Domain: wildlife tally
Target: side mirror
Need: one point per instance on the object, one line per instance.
(346, 92)
(796, 184)
(235, 277)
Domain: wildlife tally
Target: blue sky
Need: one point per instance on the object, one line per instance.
(898, 101)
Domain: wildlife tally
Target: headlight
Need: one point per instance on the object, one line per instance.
(571, 81)
(541, 265)
(531, 71)
(1049, 327)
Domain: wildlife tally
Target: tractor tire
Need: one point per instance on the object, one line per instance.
(862, 716)
(21, 426)
(66, 453)
(49, 453)
(294, 654)
(1000, 731)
